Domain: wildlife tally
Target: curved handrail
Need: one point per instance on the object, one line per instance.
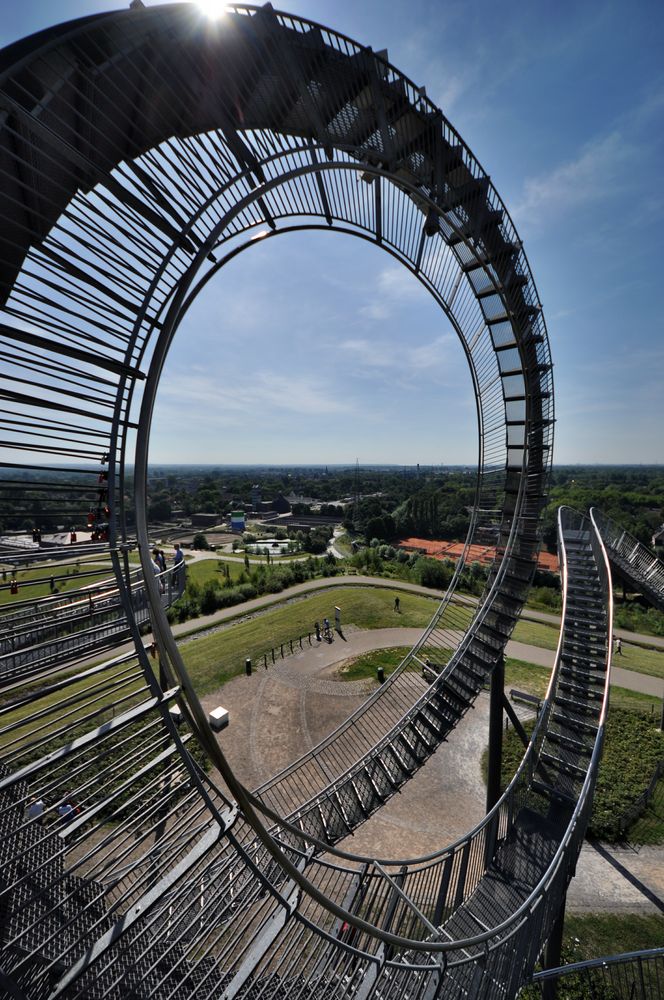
(561, 971)
(631, 557)
(570, 841)
(530, 351)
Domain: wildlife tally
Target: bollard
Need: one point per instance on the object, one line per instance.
(380, 675)
(247, 666)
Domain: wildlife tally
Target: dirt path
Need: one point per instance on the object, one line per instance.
(279, 714)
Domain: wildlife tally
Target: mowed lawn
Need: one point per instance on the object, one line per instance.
(645, 661)
(203, 570)
(215, 657)
(65, 580)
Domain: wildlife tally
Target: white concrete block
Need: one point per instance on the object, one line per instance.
(218, 718)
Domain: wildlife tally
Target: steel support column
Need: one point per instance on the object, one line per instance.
(552, 952)
(495, 733)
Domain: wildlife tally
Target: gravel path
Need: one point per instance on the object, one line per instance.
(277, 715)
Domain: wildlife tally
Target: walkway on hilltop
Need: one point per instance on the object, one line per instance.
(352, 580)
(304, 698)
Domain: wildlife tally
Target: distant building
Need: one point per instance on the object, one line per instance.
(294, 498)
(280, 504)
(205, 520)
(237, 520)
(256, 496)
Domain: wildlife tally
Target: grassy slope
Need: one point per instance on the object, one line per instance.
(214, 658)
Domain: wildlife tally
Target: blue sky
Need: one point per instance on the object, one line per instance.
(317, 349)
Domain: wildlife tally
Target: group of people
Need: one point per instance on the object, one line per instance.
(66, 810)
(159, 565)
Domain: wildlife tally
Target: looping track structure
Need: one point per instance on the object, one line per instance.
(140, 151)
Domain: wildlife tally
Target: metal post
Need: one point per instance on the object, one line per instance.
(551, 959)
(495, 734)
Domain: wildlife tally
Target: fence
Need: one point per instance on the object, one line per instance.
(633, 976)
(639, 806)
(277, 652)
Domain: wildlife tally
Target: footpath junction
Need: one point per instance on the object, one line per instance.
(140, 152)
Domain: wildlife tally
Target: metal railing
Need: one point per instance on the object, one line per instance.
(125, 189)
(637, 975)
(644, 570)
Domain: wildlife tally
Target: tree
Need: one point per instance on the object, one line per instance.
(159, 509)
(200, 541)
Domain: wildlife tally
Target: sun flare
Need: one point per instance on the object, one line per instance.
(212, 8)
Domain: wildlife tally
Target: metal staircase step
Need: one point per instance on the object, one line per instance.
(426, 736)
(569, 743)
(543, 788)
(423, 718)
(360, 801)
(582, 678)
(559, 764)
(379, 793)
(576, 690)
(580, 707)
(574, 722)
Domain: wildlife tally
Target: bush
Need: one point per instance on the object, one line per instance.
(210, 598)
(546, 597)
(200, 541)
(432, 573)
(632, 748)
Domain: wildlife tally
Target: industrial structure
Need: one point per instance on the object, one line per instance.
(140, 151)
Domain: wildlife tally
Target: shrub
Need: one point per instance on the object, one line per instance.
(432, 573)
(632, 748)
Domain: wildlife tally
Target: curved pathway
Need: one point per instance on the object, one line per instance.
(351, 580)
(280, 713)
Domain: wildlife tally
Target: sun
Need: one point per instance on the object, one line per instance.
(212, 8)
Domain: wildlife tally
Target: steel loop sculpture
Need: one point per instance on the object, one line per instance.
(141, 150)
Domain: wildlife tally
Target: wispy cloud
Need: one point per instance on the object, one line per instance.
(394, 287)
(595, 173)
(437, 359)
(259, 394)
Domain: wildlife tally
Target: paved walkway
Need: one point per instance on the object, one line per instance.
(631, 679)
(351, 580)
(279, 714)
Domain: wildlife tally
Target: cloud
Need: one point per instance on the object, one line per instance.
(437, 359)
(394, 287)
(594, 174)
(261, 395)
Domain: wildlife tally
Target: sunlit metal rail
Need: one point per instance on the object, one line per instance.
(140, 151)
(633, 561)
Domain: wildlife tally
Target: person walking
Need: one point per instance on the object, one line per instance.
(178, 560)
(397, 605)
